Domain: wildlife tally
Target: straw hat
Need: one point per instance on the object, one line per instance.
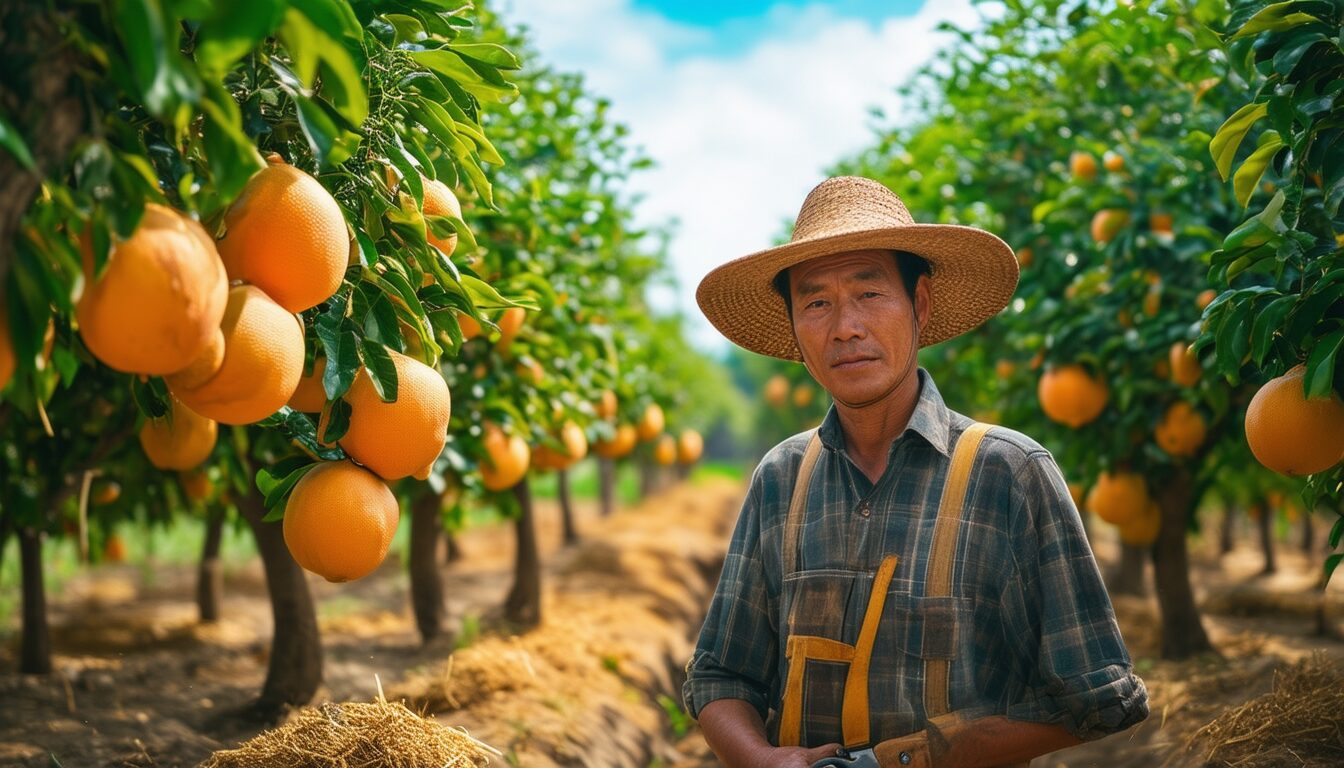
(973, 272)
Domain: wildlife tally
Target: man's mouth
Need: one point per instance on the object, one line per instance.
(851, 361)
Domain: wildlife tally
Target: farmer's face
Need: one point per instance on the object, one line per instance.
(856, 326)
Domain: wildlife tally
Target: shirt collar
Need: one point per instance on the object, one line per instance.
(931, 419)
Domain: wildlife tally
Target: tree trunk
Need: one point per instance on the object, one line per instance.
(452, 550)
(1227, 536)
(647, 478)
(295, 668)
(36, 655)
(426, 583)
(1265, 522)
(1182, 631)
(523, 606)
(1129, 576)
(210, 575)
(566, 507)
(1308, 533)
(606, 470)
(42, 98)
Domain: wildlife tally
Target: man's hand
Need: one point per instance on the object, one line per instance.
(734, 731)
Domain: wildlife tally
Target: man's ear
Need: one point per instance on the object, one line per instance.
(923, 300)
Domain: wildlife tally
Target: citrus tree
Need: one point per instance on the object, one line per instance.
(1078, 134)
(1279, 319)
(305, 152)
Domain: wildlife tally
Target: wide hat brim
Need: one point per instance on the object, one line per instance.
(973, 274)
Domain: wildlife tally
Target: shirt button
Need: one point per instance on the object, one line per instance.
(864, 510)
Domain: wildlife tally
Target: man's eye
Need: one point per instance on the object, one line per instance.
(871, 294)
(815, 303)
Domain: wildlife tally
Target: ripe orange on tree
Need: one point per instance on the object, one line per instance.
(690, 446)
(8, 362)
(777, 390)
(285, 234)
(159, 300)
(1071, 396)
(1004, 369)
(1205, 298)
(665, 452)
(401, 438)
(606, 405)
(339, 521)
(1160, 223)
(196, 484)
(576, 447)
(1107, 223)
(114, 550)
(620, 445)
(651, 423)
(440, 201)
(1181, 431)
(470, 328)
(309, 396)
(107, 492)
(803, 396)
(1118, 497)
(182, 440)
(1142, 530)
(506, 458)
(1113, 162)
(1185, 369)
(1083, 166)
(510, 322)
(262, 363)
(1025, 257)
(1291, 434)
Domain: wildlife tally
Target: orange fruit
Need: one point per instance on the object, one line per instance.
(606, 406)
(285, 234)
(1025, 257)
(114, 550)
(576, 447)
(309, 396)
(339, 521)
(196, 484)
(1142, 530)
(1205, 298)
(470, 328)
(690, 445)
(506, 458)
(1152, 302)
(1181, 431)
(1118, 497)
(665, 452)
(181, 440)
(263, 362)
(107, 492)
(777, 391)
(440, 201)
(1160, 223)
(1113, 162)
(1071, 396)
(1107, 223)
(1083, 166)
(160, 298)
(1004, 369)
(404, 437)
(1289, 433)
(510, 322)
(206, 364)
(1185, 369)
(651, 424)
(802, 396)
(620, 444)
(1162, 369)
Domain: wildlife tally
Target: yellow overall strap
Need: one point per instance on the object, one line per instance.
(799, 649)
(798, 504)
(854, 718)
(938, 578)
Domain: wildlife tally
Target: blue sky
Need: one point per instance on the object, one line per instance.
(741, 105)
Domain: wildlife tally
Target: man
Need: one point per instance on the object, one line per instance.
(900, 579)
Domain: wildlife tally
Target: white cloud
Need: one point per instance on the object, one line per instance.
(739, 138)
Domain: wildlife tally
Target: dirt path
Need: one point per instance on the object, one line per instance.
(140, 683)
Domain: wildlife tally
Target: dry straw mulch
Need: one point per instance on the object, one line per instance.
(1299, 723)
(356, 735)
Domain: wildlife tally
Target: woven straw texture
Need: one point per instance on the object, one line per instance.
(973, 272)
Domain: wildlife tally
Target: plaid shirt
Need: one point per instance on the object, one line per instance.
(1029, 629)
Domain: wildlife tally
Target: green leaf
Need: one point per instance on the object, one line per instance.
(489, 53)
(340, 345)
(338, 420)
(233, 31)
(1267, 321)
(382, 371)
(380, 324)
(1320, 373)
(1274, 18)
(154, 59)
(1247, 177)
(230, 153)
(276, 482)
(1331, 563)
(458, 72)
(12, 141)
(1337, 532)
(1225, 142)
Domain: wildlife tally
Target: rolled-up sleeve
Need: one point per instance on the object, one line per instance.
(736, 654)
(1059, 618)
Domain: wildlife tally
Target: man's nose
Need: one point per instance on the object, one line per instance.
(848, 322)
